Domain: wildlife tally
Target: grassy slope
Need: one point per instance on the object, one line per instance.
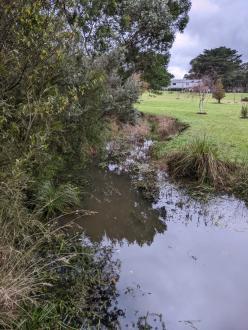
(222, 123)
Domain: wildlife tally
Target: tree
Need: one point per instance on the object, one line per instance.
(218, 91)
(202, 90)
(216, 63)
(143, 29)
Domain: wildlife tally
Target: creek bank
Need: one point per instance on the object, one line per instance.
(131, 151)
(197, 167)
(170, 259)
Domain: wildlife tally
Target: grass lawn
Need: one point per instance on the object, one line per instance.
(222, 123)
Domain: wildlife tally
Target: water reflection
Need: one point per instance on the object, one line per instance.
(192, 272)
(121, 214)
(179, 207)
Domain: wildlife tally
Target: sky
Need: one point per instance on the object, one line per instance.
(213, 23)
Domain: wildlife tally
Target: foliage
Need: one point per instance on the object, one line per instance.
(216, 63)
(48, 278)
(143, 29)
(65, 68)
(218, 91)
(81, 288)
(155, 71)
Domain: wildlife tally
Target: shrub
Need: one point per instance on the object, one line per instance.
(218, 91)
(199, 160)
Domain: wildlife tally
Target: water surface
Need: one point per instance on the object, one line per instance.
(190, 265)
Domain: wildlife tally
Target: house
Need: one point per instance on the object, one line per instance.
(184, 84)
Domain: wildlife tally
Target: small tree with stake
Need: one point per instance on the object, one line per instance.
(218, 91)
(202, 90)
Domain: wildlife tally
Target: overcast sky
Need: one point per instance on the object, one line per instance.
(213, 23)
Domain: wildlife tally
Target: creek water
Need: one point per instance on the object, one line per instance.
(184, 267)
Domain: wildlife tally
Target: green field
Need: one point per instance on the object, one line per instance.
(222, 123)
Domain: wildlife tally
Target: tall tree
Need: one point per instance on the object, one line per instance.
(216, 63)
(143, 29)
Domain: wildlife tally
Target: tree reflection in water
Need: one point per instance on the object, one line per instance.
(122, 215)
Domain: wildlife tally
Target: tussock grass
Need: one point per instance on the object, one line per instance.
(52, 200)
(200, 161)
(244, 112)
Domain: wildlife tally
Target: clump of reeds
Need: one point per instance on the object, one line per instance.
(200, 161)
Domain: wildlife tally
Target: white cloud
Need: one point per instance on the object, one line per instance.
(177, 71)
(185, 40)
(204, 6)
(213, 23)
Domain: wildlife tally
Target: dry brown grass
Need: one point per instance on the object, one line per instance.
(130, 132)
(166, 127)
(17, 282)
(139, 131)
(163, 127)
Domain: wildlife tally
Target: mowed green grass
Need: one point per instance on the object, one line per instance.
(222, 124)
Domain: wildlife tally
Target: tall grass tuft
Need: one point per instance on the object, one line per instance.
(200, 161)
(244, 112)
(52, 199)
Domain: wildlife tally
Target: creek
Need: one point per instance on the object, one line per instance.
(184, 262)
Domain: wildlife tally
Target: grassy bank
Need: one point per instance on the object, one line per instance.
(222, 124)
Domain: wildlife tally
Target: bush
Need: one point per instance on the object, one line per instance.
(218, 91)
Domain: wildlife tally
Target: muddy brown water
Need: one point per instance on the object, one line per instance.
(189, 265)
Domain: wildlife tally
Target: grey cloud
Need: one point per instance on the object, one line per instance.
(213, 23)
